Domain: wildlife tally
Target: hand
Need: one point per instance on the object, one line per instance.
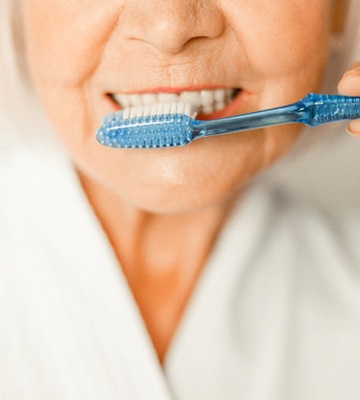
(349, 85)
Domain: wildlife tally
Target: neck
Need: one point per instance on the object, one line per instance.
(161, 256)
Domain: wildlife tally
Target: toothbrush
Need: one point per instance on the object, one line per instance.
(171, 125)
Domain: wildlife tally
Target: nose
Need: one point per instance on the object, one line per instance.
(169, 25)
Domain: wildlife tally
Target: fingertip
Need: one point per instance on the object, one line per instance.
(350, 83)
(353, 129)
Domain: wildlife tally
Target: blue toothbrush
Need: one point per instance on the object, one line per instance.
(174, 125)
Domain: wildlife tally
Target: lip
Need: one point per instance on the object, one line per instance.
(168, 89)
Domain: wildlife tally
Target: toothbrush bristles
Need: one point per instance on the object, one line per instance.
(151, 126)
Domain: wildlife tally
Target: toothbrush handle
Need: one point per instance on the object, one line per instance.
(260, 119)
(312, 110)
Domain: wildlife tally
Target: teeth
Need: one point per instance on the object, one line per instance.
(123, 99)
(135, 100)
(204, 101)
(207, 98)
(193, 98)
(220, 95)
(167, 97)
(149, 98)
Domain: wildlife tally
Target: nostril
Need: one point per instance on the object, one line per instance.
(170, 25)
(167, 37)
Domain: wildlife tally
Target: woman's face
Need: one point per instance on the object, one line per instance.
(91, 57)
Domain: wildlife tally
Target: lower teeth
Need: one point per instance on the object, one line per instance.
(218, 106)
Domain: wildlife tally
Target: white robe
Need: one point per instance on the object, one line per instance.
(275, 314)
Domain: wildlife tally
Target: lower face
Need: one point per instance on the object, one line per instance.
(88, 58)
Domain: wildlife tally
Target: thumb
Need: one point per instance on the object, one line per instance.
(349, 85)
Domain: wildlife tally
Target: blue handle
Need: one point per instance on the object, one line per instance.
(312, 110)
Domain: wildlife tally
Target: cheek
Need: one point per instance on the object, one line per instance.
(284, 38)
(64, 41)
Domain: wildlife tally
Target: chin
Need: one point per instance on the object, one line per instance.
(192, 190)
(183, 201)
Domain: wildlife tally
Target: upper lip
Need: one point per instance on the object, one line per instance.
(170, 89)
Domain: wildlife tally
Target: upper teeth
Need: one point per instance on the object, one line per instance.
(204, 101)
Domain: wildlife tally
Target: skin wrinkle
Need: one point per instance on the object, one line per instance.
(107, 36)
(191, 68)
(147, 201)
(177, 36)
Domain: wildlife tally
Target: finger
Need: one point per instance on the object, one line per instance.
(353, 128)
(349, 85)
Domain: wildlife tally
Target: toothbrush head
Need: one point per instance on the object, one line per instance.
(155, 126)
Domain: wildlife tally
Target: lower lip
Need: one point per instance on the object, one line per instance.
(229, 110)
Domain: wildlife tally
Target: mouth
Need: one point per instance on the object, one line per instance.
(208, 104)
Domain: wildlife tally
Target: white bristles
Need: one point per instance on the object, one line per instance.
(160, 109)
(181, 108)
(109, 117)
(167, 108)
(147, 110)
(134, 112)
(174, 108)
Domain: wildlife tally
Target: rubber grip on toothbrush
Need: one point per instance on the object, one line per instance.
(323, 108)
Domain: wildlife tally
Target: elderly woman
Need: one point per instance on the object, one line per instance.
(183, 273)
